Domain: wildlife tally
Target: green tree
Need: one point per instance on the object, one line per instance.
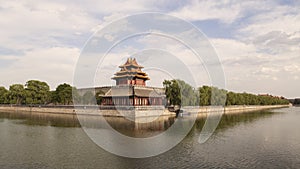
(251, 99)
(63, 94)
(37, 92)
(173, 93)
(53, 97)
(16, 94)
(3, 95)
(178, 92)
(189, 96)
(231, 98)
(218, 96)
(205, 95)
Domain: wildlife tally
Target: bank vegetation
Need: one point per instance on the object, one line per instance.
(178, 92)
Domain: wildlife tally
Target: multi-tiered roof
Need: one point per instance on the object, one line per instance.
(131, 89)
(131, 70)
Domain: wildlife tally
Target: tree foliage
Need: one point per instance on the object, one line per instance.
(37, 92)
(180, 93)
(63, 94)
(251, 99)
(212, 96)
(3, 95)
(205, 95)
(16, 94)
(172, 91)
(177, 92)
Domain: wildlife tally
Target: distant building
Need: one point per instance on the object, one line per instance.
(131, 89)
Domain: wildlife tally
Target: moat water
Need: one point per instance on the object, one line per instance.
(265, 139)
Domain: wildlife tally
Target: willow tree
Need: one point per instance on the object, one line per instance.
(205, 95)
(178, 92)
(172, 91)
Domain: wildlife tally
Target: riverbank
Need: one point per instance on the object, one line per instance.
(231, 109)
(86, 110)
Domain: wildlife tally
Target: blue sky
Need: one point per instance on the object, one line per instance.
(258, 42)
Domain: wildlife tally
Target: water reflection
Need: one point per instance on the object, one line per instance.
(126, 126)
(230, 120)
(246, 140)
(41, 119)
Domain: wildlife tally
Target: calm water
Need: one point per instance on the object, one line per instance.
(251, 140)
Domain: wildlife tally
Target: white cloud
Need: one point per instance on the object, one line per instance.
(54, 65)
(279, 18)
(41, 38)
(26, 25)
(225, 11)
(202, 10)
(293, 68)
(154, 52)
(249, 69)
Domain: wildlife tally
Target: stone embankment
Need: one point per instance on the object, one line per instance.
(86, 110)
(230, 109)
(141, 111)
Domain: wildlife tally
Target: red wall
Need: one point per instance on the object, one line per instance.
(132, 82)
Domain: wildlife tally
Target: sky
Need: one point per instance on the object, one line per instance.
(257, 42)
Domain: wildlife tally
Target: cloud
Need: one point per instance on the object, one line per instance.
(54, 65)
(279, 18)
(248, 68)
(202, 10)
(41, 39)
(278, 43)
